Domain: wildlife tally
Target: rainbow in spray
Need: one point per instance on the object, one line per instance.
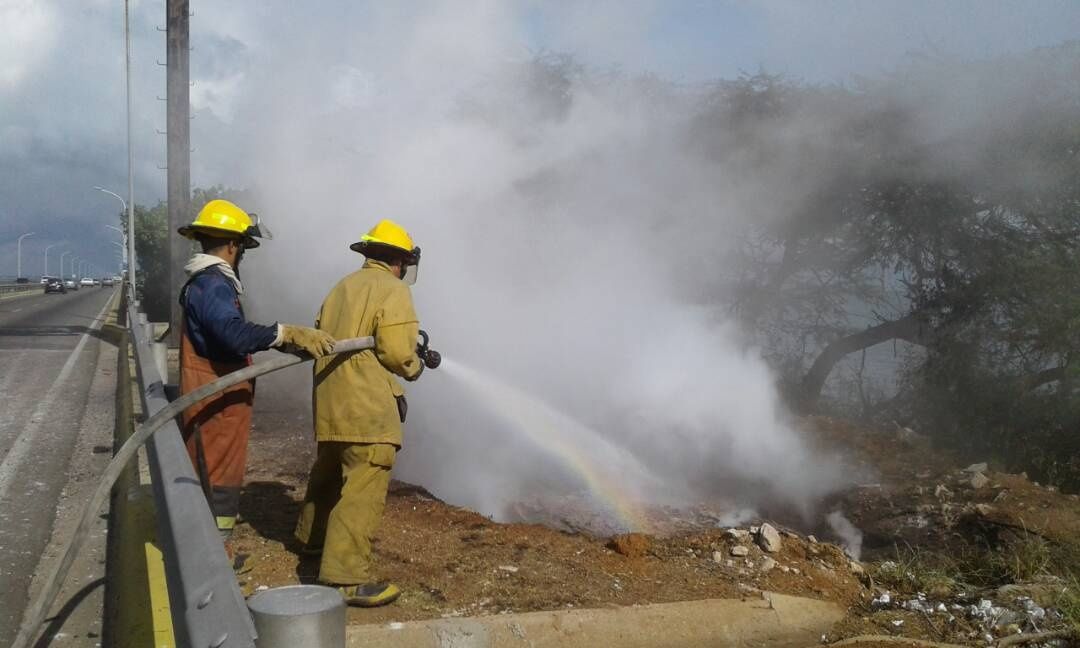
(606, 469)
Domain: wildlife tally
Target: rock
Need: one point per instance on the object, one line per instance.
(754, 530)
(737, 534)
(977, 468)
(812, 539)
(907, 435)
(508, 568)
(856, 567)
(884, 600)
(739, 551)
(985, 510)
(978, 480)
(785, 568)
(768, 564)
(631, 545)
(768, 538)
(1034, 611)
(1032, 595)
(717, 557)
(942, 492)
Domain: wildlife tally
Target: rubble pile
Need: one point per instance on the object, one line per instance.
(969, 616)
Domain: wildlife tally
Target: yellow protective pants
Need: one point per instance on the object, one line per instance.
(343, 507)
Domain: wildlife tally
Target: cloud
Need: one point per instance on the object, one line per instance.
(27, 32)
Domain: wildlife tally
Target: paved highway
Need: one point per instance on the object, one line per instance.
(57, 385)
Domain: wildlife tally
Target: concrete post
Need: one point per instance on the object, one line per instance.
(312, 616)
(177, 150)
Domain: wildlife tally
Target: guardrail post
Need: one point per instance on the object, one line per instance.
(311, 616)
(161, 357)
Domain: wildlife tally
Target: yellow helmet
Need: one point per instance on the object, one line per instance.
(388, 234)
(223, 219)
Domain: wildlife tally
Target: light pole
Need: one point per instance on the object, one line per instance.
(62, 263)
(123, 237)
(131, 180)
(45, 272)
(18, 262)
(129, 236)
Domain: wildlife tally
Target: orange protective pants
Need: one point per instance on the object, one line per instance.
(216, 431)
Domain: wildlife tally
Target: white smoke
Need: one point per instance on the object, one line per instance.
(851, 538)
(565, 229)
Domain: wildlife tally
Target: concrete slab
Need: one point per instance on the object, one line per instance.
(772, 620)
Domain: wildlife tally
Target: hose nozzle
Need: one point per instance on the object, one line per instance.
(432, 358)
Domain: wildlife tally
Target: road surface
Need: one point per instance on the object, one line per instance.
(57, 385)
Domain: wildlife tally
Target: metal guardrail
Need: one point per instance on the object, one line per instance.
(207, 607)
(9, 288)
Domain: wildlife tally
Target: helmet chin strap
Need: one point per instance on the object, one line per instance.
(239, 258)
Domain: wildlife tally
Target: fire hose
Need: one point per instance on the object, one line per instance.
(36, 612)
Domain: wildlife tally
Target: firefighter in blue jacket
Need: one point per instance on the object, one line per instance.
(216, 339)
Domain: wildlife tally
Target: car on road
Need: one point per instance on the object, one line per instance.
(106, 282)
(86, 281)
(71, 284)
(45, 280)
(54, 285)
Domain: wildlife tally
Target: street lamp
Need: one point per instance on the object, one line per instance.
(45, 272)
(62, 263)
(123, 237)
(18, 263)
(129, 235)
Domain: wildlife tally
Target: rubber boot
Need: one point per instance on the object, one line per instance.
(369, 594)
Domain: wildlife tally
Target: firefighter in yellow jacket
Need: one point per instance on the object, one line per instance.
(359, 407)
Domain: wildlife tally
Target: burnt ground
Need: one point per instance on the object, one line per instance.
(450, 561)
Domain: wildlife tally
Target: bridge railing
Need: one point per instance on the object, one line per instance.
(11, 288)
(208, 610)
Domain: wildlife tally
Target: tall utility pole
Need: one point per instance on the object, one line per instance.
(178, 151)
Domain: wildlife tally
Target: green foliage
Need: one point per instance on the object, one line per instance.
(152, 252)
(1023, 560)
(962, 223)
(914, 571)
(1068, 602)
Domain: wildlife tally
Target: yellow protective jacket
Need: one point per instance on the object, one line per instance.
(355, 397)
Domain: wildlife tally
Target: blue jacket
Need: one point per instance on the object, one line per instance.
(214, 320)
